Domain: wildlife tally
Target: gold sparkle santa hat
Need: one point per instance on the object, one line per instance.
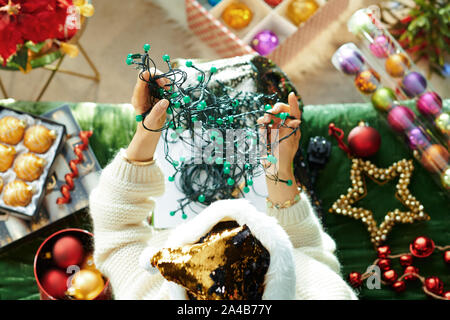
(260, 234)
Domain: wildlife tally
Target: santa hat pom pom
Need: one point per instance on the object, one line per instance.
(144, 260)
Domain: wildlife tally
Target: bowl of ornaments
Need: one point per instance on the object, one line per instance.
(64, 268)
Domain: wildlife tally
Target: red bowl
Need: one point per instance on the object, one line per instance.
(41, 264)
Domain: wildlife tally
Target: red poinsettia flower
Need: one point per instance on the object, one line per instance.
(30, 20)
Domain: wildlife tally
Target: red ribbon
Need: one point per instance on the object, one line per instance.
(338, 133)
(78, 150)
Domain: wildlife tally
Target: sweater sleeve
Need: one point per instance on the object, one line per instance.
(119, 207)
(314, 253)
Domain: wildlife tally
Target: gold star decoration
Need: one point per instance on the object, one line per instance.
(358, 190)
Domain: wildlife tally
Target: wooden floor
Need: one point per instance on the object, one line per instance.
(116, 30)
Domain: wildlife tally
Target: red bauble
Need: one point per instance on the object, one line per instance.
(447, 256)
(399, 286)
(67, 251)
(364, 141)
(406, 260)
(273, 3)
(383, 251)
(422, 247)
(411, 269)
(384, 264)
(434, 285)
(355, 279)
(54, 283)
(390, 276)
(446, 295)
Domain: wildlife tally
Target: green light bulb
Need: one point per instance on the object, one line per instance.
(189, 63)
(166, 58)
(172, 213)
(246, 189)
(129, 61)
(213, 69)
(249, 182)
(230, 181)
(201, 198)
(171, 178)
(146, 47)
(271, 159)
(226, 170)
(289, 182)
(184, 216)
(186, 99)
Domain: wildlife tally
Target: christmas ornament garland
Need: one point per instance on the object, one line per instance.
(429, 143)
(421, 247)
(360, 168)
(204, 111)
(421, 27)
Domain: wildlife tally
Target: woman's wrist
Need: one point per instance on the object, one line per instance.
(143, 145)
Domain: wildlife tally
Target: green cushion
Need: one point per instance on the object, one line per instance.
(114, 126)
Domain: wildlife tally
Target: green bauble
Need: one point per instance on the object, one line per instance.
(361, 23)
(383, 98)
(445, 178)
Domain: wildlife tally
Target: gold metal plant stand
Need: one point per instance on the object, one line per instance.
(57, 67)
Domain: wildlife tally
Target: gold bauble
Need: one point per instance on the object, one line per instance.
(237, 15)
(11, 130)
(7, 154)
(301, 10)
(86, 285)
(397, 64)
(1, 184)
(367, 81)
(39, 139)
(29, 166)
(17, 194)
(435, 158)
(89, 264)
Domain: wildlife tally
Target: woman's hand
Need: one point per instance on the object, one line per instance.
(284, 152)
(143, 145)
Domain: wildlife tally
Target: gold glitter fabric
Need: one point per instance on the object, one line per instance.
(228, 263)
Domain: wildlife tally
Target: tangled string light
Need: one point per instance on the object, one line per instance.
(69, 177)
(199, 115)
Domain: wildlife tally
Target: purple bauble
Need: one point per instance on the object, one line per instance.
(350, 61)
(417, 139)
(382, 47)
(264, 42)
(429, 104)
(414, 84)
(400, 118)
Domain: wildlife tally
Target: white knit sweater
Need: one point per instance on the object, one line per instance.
(121, 204)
